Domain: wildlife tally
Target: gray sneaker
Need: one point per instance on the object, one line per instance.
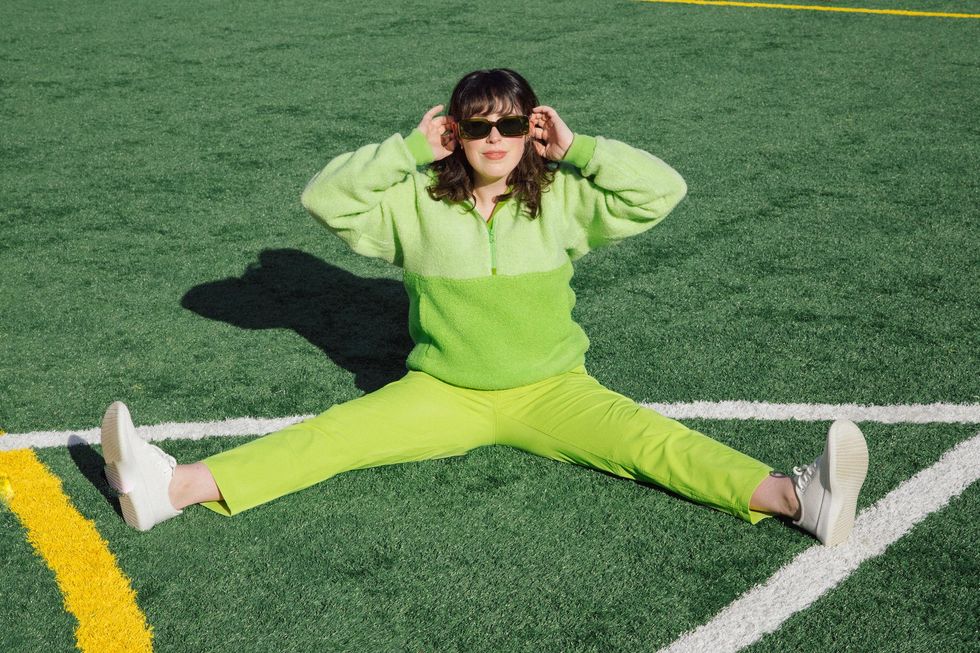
(139, 471)
(828, 487)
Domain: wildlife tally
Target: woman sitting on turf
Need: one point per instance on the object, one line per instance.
(485, 209)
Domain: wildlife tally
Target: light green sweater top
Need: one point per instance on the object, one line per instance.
(490, 304)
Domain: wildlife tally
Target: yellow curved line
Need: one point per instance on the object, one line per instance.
(95, 590)
(850, 10)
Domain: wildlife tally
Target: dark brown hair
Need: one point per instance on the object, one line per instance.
(488, 91)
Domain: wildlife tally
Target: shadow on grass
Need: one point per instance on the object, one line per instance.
(361, 324)
(90, 463)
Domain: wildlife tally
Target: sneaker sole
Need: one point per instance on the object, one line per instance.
(113, 445)
(115, 450)
(847, 457)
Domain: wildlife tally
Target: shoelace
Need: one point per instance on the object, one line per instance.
(803, 475)
(170, 460)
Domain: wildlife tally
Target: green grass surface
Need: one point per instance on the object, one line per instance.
(831, 160)
(153, 250)
(496, 550)
(900, 601)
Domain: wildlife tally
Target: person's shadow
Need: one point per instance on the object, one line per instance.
(361, 324)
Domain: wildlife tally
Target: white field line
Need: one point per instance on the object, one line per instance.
(814, 572)
(796, 586)
(166, 431)
(740, 410)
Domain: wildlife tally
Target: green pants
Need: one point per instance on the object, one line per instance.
(570, 417)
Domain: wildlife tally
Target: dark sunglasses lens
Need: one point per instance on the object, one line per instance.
(474, 128)
(513, 126)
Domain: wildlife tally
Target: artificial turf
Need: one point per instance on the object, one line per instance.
(153, 250)
(496, 550)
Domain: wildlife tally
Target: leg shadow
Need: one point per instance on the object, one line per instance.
(361, 324)
(91, 464)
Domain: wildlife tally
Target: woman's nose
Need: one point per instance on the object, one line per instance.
(494, 135)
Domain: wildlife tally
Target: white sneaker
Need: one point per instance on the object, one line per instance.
(828, 487)
(138, 470)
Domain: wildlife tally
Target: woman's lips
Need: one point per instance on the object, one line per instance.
(496, 156)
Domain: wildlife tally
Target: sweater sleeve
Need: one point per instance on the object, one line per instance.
(358, 195)
(613, 191)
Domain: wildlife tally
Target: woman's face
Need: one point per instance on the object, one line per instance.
(494, 157)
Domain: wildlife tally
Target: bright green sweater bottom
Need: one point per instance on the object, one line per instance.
(478, 333)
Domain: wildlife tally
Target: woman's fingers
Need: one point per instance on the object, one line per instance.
(433, 111)
(549, 116)
(428, 117)
(544, 117)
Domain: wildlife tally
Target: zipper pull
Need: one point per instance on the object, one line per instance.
(493, 253)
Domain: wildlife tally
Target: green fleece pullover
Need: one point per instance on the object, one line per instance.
(490, 305)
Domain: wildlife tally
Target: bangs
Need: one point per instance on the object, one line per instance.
(487, 92)
(487, 104)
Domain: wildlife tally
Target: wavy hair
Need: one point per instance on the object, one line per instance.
(499, 90)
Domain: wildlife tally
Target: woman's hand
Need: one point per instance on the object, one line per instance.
(438, 131)
(549, 133)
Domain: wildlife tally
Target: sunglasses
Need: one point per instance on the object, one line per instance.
(510, 126)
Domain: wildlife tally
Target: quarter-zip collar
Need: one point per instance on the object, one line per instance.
(488, 223)
(470, 204)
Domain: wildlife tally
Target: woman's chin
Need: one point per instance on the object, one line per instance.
(488, 177)
(494, 171)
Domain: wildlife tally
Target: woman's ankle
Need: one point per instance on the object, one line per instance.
(776, 496)
(192, 484)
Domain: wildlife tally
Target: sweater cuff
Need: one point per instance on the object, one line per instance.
(419, 146)
(580, 151)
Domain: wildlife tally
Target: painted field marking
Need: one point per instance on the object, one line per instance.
(796, 586)
(818, 569)
(850, 10)
(95, 590)
(938, 413)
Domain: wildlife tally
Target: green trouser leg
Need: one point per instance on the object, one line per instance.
(570, 417)
(415, 418)
(573, 418)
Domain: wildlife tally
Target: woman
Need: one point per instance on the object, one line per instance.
(485, 209)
